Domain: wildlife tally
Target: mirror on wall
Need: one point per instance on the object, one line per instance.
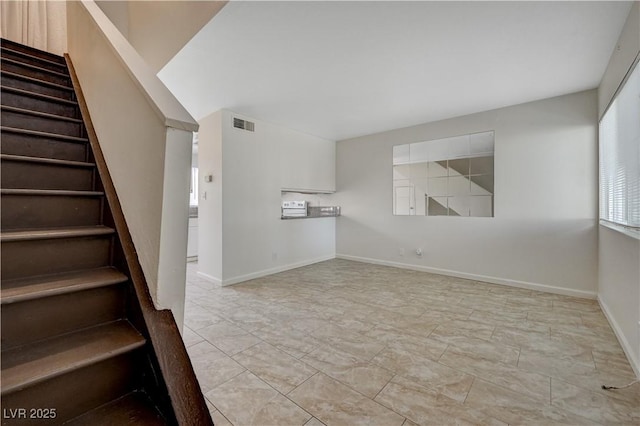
(444, 177)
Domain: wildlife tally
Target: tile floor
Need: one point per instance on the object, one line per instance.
(347, 343)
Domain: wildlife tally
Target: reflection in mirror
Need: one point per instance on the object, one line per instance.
(445, 177)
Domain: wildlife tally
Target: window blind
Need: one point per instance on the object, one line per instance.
(619, 135)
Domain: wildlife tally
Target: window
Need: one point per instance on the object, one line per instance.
(444, 177)
(193, 190)
(619, 135)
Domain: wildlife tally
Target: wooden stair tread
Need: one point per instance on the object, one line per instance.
(52, 161)
(134, 408)
(14, 46)
(27, 365)
(40, 114)
(58, 192)
(43, 134)
(54, 59)
(33, 94)
(19, 290)
(36, 80)
(35, 67)
(45, 234)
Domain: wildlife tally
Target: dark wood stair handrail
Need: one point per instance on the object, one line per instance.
(187, 400)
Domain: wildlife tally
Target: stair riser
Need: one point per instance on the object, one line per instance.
(30, 321)
(76, 392)
(11, 45)
(28, 258)
(41, 124)
(37, 104)
(33, 86)
(25, 175)
(57, 67)
(42, 147)
(136, 405)
(35, 73)
(43, 211)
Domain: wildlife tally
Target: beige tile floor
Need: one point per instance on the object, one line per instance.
(347, 343)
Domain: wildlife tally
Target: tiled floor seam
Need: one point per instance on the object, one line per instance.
(467, 395)
(221, 413)
(442, 354)
(228, 380)
(590, 421)
(298, 405)
(382, 388)
(303, 382)
(350, 386)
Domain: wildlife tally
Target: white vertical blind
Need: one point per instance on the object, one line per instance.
(620, 156)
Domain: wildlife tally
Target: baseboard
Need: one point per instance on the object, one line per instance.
(494, 280)
(265, 272)
(209, 278)
(626, 346)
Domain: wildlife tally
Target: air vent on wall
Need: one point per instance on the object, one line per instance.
(239, 123)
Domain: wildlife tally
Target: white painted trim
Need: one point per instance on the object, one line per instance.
(494, 280)
(629, 232)
(265, 272)
(635, 362)
(209, 278)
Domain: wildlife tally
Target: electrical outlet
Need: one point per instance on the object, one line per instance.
(418, 252)
(401, 252)
(274, 256)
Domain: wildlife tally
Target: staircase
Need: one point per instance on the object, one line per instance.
(77, 331)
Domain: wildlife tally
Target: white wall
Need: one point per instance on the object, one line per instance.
(117, 12)
(619, 253)
(619, 289)
(210, 197)
(544, 233)
(159, 29)
(249, 236)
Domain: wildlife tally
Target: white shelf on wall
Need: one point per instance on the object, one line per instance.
(308, 191)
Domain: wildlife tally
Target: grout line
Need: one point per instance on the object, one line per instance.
(218, 410)
(377, 353)
(442, 354)
(227, 381)
(304, 381)
(469, 391)
(382, 388)
(298, 405)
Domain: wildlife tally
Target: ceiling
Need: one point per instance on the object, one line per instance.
(343, 69)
